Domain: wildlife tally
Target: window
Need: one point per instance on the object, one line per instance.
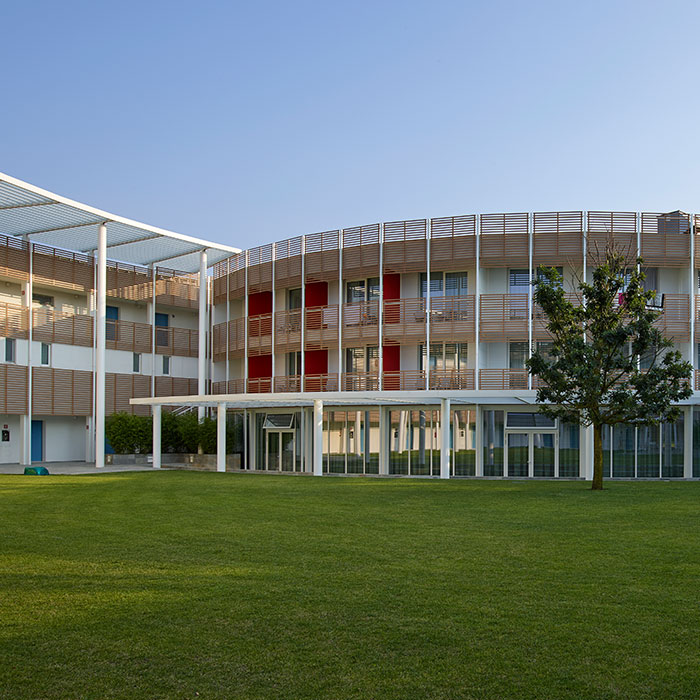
(293, 364)
(45, 354)
(517, 355)
(137, 362)
(166, 364)
(362, 290)
(444, 284)
(358, 360)
(445, 356)
(112, 318)
(162, 333)
(518, 281)
(10, 350)
(43, 299)
(293, 299)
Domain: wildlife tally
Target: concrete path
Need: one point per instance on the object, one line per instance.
(72, 468)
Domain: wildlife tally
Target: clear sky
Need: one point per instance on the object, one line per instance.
(252, 122)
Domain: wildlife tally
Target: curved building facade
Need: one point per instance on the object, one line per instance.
(395, 348)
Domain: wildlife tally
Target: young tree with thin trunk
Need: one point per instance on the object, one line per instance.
(608, 362)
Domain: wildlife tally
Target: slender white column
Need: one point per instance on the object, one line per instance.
(318, 437)
(530, 307)
(228, 322)
(152, 321)
(202, 354)
(156, 435)
(100, 315)
(687, 442)
(691, 291)
(272, 326)
(384, 439)
(478, 442)
(245, 464)
(444, 438)
(302, 378)
(380, 310)
(221, 437)
(29, 305)
(246, 258)
(341, 297)
(428, 309)
(477, 303)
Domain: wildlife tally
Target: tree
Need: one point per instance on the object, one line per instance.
(608, 362)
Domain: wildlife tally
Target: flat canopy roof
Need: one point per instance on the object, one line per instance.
(40, 216)
(343, 398)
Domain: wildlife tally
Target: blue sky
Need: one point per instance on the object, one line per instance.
(251, 122)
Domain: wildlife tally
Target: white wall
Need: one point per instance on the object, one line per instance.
(64, 438)
(9, 451)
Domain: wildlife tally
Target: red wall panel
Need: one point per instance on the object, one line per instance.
(260, 366)
(392, 358)
(316, 294)
(392, 286)
(260, 303)
(316, 361)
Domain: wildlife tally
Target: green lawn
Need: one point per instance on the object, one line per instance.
(186, 585)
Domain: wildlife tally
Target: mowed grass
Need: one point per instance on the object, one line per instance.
(204, 585)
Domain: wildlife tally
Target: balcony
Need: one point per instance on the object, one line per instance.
(503, 317)
(288, 330)
(260, 334)
(136, 337)
(361, 322)
(502, 379)
(321, 327)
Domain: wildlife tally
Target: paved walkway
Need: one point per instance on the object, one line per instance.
(75, 468)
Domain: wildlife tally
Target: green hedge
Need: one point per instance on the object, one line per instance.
(182, 433)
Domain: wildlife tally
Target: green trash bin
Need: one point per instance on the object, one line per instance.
(36, 471)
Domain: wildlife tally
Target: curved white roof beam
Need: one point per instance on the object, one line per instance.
(35, 214)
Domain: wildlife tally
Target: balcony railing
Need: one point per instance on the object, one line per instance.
(321, 324)
(361, 321)
(451, 379)
(503, 379)
(136, 337)
(360, 381)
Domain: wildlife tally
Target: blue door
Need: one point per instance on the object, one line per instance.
(37, 441)
(161, 329)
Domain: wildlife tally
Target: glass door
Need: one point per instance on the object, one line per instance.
(543, 454)
(518, 454)
(287, 451)
(272, 457)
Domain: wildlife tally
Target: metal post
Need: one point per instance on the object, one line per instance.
(302, 378)
(530, 308)
(479, 441)
(221, 437)
(444, 438)
(341, 237)
(100, 346)
(228, 321)
(245, 324)
(380, 314)
(477, 302)
(202, 318)
(428, 309)
(157, 410)
(272, 327)
(29, 303)
(318, 437)
(152, 321)
(384, 439)
(691, 291)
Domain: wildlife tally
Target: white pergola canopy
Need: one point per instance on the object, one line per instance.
(40, 216)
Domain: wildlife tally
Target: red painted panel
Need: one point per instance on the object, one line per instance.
(260, 303)
(260, 366)
(316, 361)
(392, 358)
(392, 286)
(316, 294)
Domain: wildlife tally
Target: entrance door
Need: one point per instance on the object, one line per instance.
(37, 441)
(280, 451)
(518, 454)
(287, 452)
(531, 454)
(272, 457)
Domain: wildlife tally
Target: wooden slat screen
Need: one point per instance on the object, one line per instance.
(61, 268)
(260, 334)
(321, 260)
(451, 379)
(503, 379)
(503, 317)
(236, 277)
(13, 321)
(453, 318)
(361, 251)
(219, 281)
(288, 263)
(504, 240)
(321, 327)
(361, 323)
(404, 321)
(13, 389)
(61, 392)
(405, 246)
(675, 318)
(452, 243)
(174, 288)
(557, 237)
(260, 269)
(288, 330)
(66, 329)
(14, 258)
(665, 239)
(131, 282)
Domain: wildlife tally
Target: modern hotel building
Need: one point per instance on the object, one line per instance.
(394, 348)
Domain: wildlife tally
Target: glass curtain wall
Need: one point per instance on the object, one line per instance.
(493, 443)
(415, 443)
(351, 442)
(463, 442)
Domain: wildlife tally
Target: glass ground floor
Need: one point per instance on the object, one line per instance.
(493, 441)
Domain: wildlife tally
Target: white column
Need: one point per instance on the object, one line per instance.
(272, 325)
(530, 306)
(428, 309)
(318, 437)
(151, 311)
(246, 259)
(477, 302)
(221, 437)
(156, 435)
(302, 378)
(341, 297)
(479, 442)
(202, 354)
(26, 425)
(687, 442)
(100, 315)
(444, 438)
(380, 310)
(384, 439)
(691, 291)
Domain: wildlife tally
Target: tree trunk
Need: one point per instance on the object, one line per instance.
(597, 457)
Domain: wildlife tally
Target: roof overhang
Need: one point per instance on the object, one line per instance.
(40, 216)
(345, 398)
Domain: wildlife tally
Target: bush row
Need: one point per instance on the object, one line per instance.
(183, 433)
